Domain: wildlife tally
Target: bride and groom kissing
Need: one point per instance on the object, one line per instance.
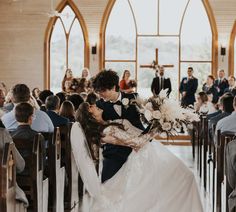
(137, 175)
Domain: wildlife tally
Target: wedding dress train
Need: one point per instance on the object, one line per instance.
(152, 179)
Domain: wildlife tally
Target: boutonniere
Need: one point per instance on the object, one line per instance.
(125, 102)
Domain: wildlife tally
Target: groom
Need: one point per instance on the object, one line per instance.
(115, 105)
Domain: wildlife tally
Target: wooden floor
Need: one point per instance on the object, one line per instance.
(185, 154)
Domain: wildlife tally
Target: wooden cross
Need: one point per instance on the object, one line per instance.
(155, 63)
(10, 168)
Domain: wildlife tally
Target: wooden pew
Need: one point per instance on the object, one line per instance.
(56, 173)
(223, 139)
(8, 181)
(32, 182)
(71, 195)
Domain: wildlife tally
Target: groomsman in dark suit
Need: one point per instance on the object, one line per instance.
(221, 83)
(188, 88)
(115, 105)
(160, 82)
(232, 88)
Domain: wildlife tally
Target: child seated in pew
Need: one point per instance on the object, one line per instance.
(24, 114)
(20, 164)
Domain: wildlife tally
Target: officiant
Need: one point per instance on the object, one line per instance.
(160, 82)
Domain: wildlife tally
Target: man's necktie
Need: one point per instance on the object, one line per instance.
(162, 83)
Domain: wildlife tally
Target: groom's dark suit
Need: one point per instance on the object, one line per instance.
(115, 156)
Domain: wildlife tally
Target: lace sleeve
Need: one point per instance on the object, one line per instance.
(125, 137)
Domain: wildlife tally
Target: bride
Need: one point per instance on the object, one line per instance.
(151, 180)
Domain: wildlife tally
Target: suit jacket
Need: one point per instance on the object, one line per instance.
(155, 87)
(23, 132)
(231, 172)
(190, 87)
(57, 120)
(221, 85)
(115, 156)
(232, 91)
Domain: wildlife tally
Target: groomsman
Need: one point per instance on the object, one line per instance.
(160, 82)
(188, 88)
(221, 83)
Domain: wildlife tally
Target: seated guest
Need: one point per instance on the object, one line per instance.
(53, 105)
(42, 97)
(62, 97)
(20, 164)
(67, 110)
(160, 83)
(188, 88)
(8, 104)
(2, 99)
(221, 83)
(203, 105)
(231, 88)
(41, 122)
(228, 123)
(230, 155)
(76, 100)
(226, 106)
(209, 88)
(24, 114)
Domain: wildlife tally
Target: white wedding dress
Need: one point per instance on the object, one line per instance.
(152, 179)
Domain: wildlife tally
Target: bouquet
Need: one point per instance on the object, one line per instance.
(165, 116)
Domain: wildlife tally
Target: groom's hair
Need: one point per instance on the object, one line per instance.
(106, 79)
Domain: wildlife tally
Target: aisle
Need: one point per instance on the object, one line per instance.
(185, 154)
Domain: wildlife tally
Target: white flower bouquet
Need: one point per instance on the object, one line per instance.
(165, 115)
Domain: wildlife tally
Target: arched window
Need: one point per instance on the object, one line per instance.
(232, 51)
(181, 31)
(67, 45)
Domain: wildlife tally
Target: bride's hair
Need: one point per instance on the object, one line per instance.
(92, 128)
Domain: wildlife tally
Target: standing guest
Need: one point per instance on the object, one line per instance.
(67, 110)
(209, 88)
(188, 88)
(86, 74)
(41, 123)
(124, 83)
(161, 83)
(24, 114)
(231, 88)
(67, 81)
(221, 83)
(53, 106)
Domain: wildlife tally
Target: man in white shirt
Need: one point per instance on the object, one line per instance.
(41, 121)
